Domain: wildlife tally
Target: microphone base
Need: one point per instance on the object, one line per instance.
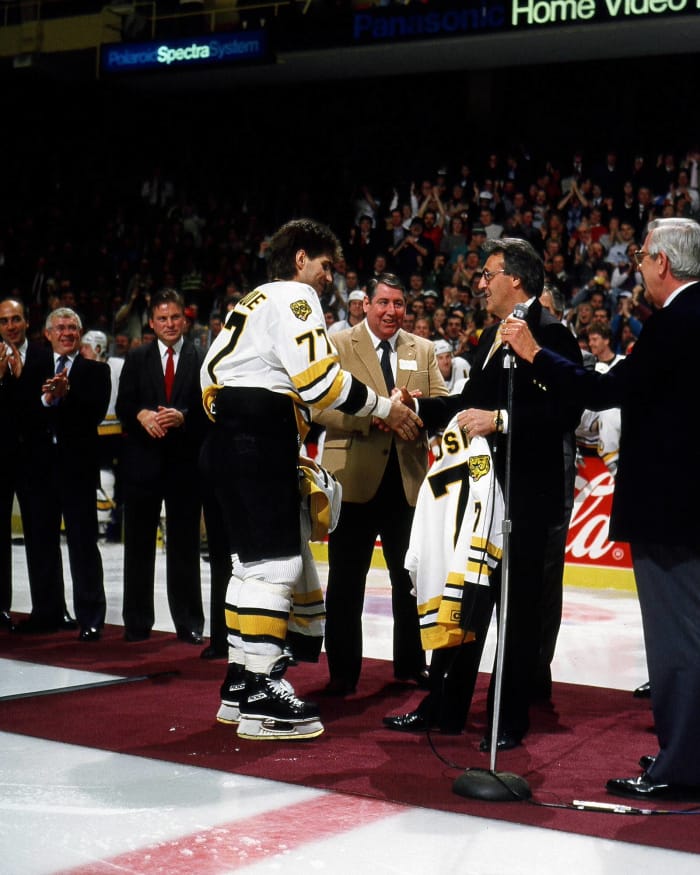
(491, 786)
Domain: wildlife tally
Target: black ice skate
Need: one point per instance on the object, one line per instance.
(231, 692)
(269, 710)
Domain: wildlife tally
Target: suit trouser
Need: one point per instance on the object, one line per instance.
(350, 548)
(220, 572)
(40, 504)
(668, 584)
(7, 493)
(142, 507)
(68, 493)
(553, 584)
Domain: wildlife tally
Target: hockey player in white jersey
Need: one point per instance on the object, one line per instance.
(273, 360)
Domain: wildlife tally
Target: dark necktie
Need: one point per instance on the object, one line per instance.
(61, 363)
(385, 347)
(169, 374)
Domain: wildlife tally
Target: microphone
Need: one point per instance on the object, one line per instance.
(519, 312)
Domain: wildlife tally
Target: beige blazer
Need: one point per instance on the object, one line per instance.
(357, 452)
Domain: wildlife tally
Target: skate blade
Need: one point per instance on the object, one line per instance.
(269, 729)
(228, 714)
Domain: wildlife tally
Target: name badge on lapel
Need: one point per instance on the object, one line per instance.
(408, 365)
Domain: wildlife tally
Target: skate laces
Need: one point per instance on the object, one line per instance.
(285, 691)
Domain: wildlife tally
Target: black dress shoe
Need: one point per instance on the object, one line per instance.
(644, 788)
(7, 621)
(643, 692)
(646, 761)
(134, 635)
(411, 722)
(338, 687)
(90, 633)
(189, 636)
(421, 679)
(506, 741)
(211, 652)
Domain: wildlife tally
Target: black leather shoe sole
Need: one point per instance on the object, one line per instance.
(90, 634)
(411, 722)
(644, 788)
(643, 692)
(189, 637)
(506, 741)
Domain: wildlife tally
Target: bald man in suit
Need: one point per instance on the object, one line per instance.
(380, 477)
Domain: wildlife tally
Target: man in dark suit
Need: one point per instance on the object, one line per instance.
(14, 351)
(64, 398)
(160, 408)
(513, 275)
(380, 477)
(656, 490)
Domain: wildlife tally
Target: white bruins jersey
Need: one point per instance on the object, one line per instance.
(275, 338)
(456, 535)
(600, 429)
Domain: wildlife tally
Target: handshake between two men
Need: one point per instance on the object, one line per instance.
(402, 417)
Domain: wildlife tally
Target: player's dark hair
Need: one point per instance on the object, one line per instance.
(314, 238)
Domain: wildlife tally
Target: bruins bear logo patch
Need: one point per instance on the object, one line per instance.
(301, 309)
(479, 466)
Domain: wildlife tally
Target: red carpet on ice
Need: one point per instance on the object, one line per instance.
(585, 737)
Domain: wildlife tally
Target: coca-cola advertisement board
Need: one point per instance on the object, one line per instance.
(591, 558)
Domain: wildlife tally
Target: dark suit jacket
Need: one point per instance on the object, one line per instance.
(18, 457)
(71, 424)
(141, 386)
(658, 477)
(13, 405)
(539, 420)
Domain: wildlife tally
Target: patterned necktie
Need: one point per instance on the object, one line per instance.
(385, 347)
(61, 363)
(169, 374)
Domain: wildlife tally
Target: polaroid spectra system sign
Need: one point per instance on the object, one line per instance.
(242, 47)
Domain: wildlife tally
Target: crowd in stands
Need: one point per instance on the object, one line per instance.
(105, 257)
(586, 217)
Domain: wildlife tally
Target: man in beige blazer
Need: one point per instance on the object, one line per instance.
(380, 478)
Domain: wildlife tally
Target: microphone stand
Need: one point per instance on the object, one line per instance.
(490, 785)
